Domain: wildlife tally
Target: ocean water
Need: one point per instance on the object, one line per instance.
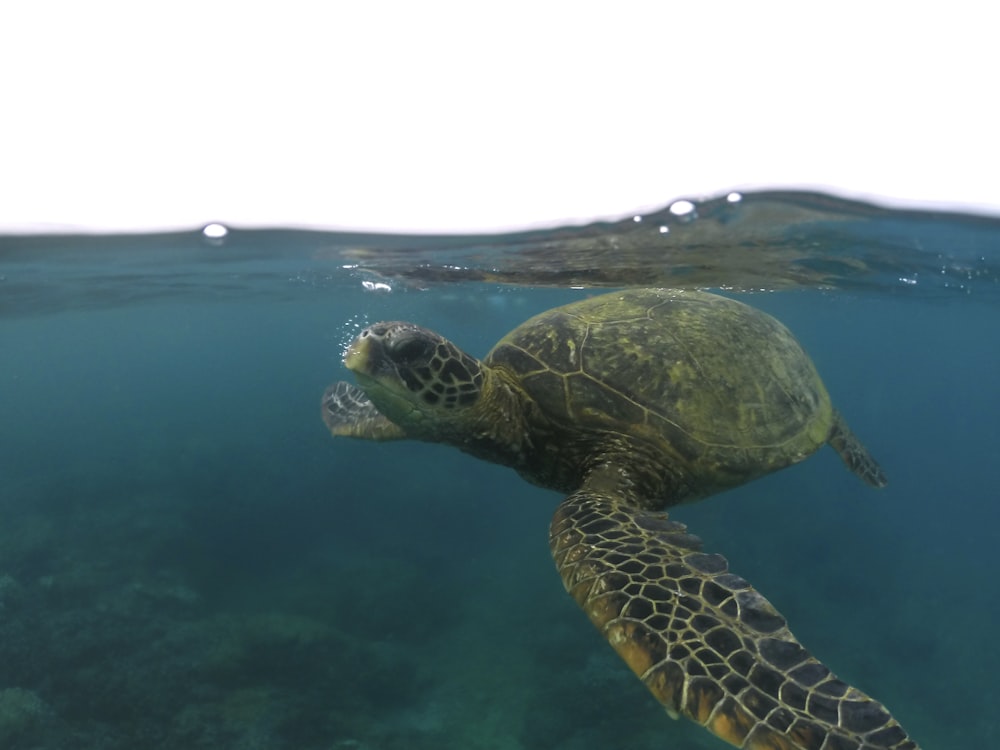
(189, 560)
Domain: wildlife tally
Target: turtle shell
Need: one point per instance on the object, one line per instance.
(711, 384)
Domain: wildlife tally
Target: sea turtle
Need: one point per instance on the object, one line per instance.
(632, 402)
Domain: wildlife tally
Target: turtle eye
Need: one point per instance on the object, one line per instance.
(411, 349)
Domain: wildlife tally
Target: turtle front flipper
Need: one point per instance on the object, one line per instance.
(701, 639)
(348, 412)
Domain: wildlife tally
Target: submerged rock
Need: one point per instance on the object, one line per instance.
(20, 712)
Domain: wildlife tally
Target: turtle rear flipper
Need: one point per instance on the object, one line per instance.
(348, 412)
(701, 639)
(853, 452)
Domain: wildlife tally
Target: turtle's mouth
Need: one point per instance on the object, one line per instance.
(358, 358)
(370, 358)
(379, 377)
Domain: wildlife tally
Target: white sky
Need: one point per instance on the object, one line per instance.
(462, 115)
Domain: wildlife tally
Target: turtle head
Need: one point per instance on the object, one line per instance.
(415, 377)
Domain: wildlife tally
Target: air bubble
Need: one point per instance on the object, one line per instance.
(215, 231)
(734, 197)
(684, 210)
(350, 330)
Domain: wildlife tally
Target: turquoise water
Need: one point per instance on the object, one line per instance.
(188, 560)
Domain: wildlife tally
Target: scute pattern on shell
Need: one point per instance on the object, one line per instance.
(713, 385)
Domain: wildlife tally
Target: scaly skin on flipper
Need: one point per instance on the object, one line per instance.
(853, 452)
(347, 412)
(701, 639)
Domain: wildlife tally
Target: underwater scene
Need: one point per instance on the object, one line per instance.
(189, 559)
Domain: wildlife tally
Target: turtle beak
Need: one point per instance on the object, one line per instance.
(358, 357)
